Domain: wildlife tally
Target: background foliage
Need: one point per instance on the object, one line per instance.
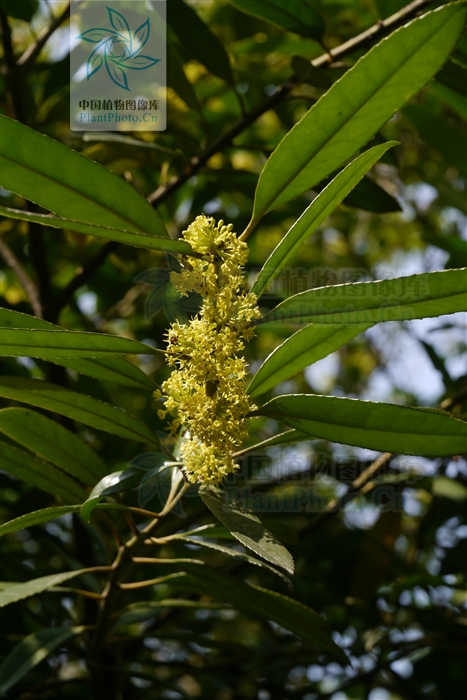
(386, 574)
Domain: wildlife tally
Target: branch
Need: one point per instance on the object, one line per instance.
(196, 163)
(33, 51)
(22, 277)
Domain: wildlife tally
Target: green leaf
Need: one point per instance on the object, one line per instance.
(42, 475)
(68, 184)
(357, 105)
(35, 342)
(247, 528)
(54, 443)
(454, 76)
(298, 17)
(112, 483)
(318, 211)
(449, 142)
(31, 651)
(233, 553)
(400, 299)
(20, 591)
(259, 602)
(197, 40)
(36, 518)
(303, 348)
(177, 79)
(376, 426)
(138, 612)
(125, 236)
(113, 369)
(25, 10)
(85, 409)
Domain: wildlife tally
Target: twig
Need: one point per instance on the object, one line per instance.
(356, 488)
(196, 163)
(22, 277)
(32, 52)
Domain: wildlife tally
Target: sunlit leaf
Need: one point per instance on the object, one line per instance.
(357, 105)
(316, 213)
(400, 299)
(302, 349)
(69, 184)
(376, 426)
(19, 591)
(247, 528)
(84, 409)
(113, 369)
(51, 441)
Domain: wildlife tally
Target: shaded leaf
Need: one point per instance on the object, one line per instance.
(113, 369)
(247, 528)
(20, 591)
(112, 483)
(233, 553)
(138, 240)
(198, 41)
(376, 426)
(450, 143)
(42, 475)
(298, 17)
(302, 349)
(35, 342)
(54, 443)
(259, 602)
(85, 409)
(69, 184)
(31, 651)
(400, 299)
(357, 105)
(318, 211)
(25, 10)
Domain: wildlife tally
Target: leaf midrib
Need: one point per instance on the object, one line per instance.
(352, 115)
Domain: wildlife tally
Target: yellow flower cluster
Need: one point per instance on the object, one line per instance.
(207, 390)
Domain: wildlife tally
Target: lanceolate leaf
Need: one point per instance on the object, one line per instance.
(133, 238)
(51, 441)
(113, 369)
(198, 41)
(357, 105)
(316, 213)
(259, 602)
(46, 514)
(305, 347)
(20, 591)
(247, 528)
(85, 409)
(112, 483)
(400, 299)
(377, 426)
(43, 475)
(20, 342)
(298, 17)
(69, 184)
(31, 651)
(235, 554)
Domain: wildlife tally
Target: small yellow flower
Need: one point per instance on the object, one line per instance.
(207, 389)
